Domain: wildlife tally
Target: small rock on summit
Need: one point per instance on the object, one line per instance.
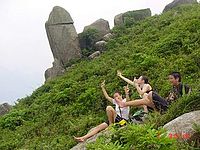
(131, 17)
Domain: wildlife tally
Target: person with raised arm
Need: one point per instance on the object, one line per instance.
(148, 97)
(114, 115)
(141, 84)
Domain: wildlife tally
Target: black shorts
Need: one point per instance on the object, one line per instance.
(160, 103)
(117, 119)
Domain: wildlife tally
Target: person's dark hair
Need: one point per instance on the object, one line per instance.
(118, 92)
(146, 80)
(176, 75)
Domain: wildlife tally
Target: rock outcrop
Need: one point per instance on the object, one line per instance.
(93, 33)
(95, 54)
(182, 127)
(4, 108)
(131, 17)
(63, 39)
(107, 37)
(177, 3)
(118, 20)
(101, 26)
(100, 46)
(54, 71)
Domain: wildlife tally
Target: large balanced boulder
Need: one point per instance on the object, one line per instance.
(176, 3)
(101, 26)
(131, 17)
(62, 36)
(182, 128)
(4, 108)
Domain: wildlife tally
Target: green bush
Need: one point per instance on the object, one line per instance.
(137, 137)
(87, 40)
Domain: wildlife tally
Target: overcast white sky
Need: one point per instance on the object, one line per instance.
(24, 49)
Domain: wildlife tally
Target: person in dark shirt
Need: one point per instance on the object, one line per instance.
(179, 89)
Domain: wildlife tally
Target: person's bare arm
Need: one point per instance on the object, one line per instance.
(125, 79)
(105, 93)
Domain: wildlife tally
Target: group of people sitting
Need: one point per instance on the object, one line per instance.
(149, 100)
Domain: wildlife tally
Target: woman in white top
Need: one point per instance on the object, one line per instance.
(114, 115)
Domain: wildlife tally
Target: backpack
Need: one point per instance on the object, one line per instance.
(122, 122)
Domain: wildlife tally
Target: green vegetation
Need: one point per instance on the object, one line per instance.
(87, 40)
(72, 104)
(140, 137)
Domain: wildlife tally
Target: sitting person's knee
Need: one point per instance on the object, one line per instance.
(149, 95)
(109, 108)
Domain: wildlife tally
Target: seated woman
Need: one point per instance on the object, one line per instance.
(150, 99)
(141, 84)
(114, 115)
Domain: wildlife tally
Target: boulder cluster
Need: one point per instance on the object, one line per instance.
(67, 46)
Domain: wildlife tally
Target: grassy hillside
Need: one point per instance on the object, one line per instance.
(72, 104)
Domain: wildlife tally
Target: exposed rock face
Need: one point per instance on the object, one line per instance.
(4, 108)
(93, 33)
(118, 20)
(131, 17)
(102, 27)
(54, 71)
(82, 146)
(100, 46)
(182, 127)
(63, 38)
(177, 3)
(107, 37)
(95, 54)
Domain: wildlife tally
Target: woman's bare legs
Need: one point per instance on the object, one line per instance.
(147, 100)
(92, 132)
(111, 114)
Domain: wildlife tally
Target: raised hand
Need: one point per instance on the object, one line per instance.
(126, 89)
(119, 73)
(135, 80)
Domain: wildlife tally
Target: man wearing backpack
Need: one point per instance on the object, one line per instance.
(179, 89)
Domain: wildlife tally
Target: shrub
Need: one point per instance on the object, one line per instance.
(87, 40)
